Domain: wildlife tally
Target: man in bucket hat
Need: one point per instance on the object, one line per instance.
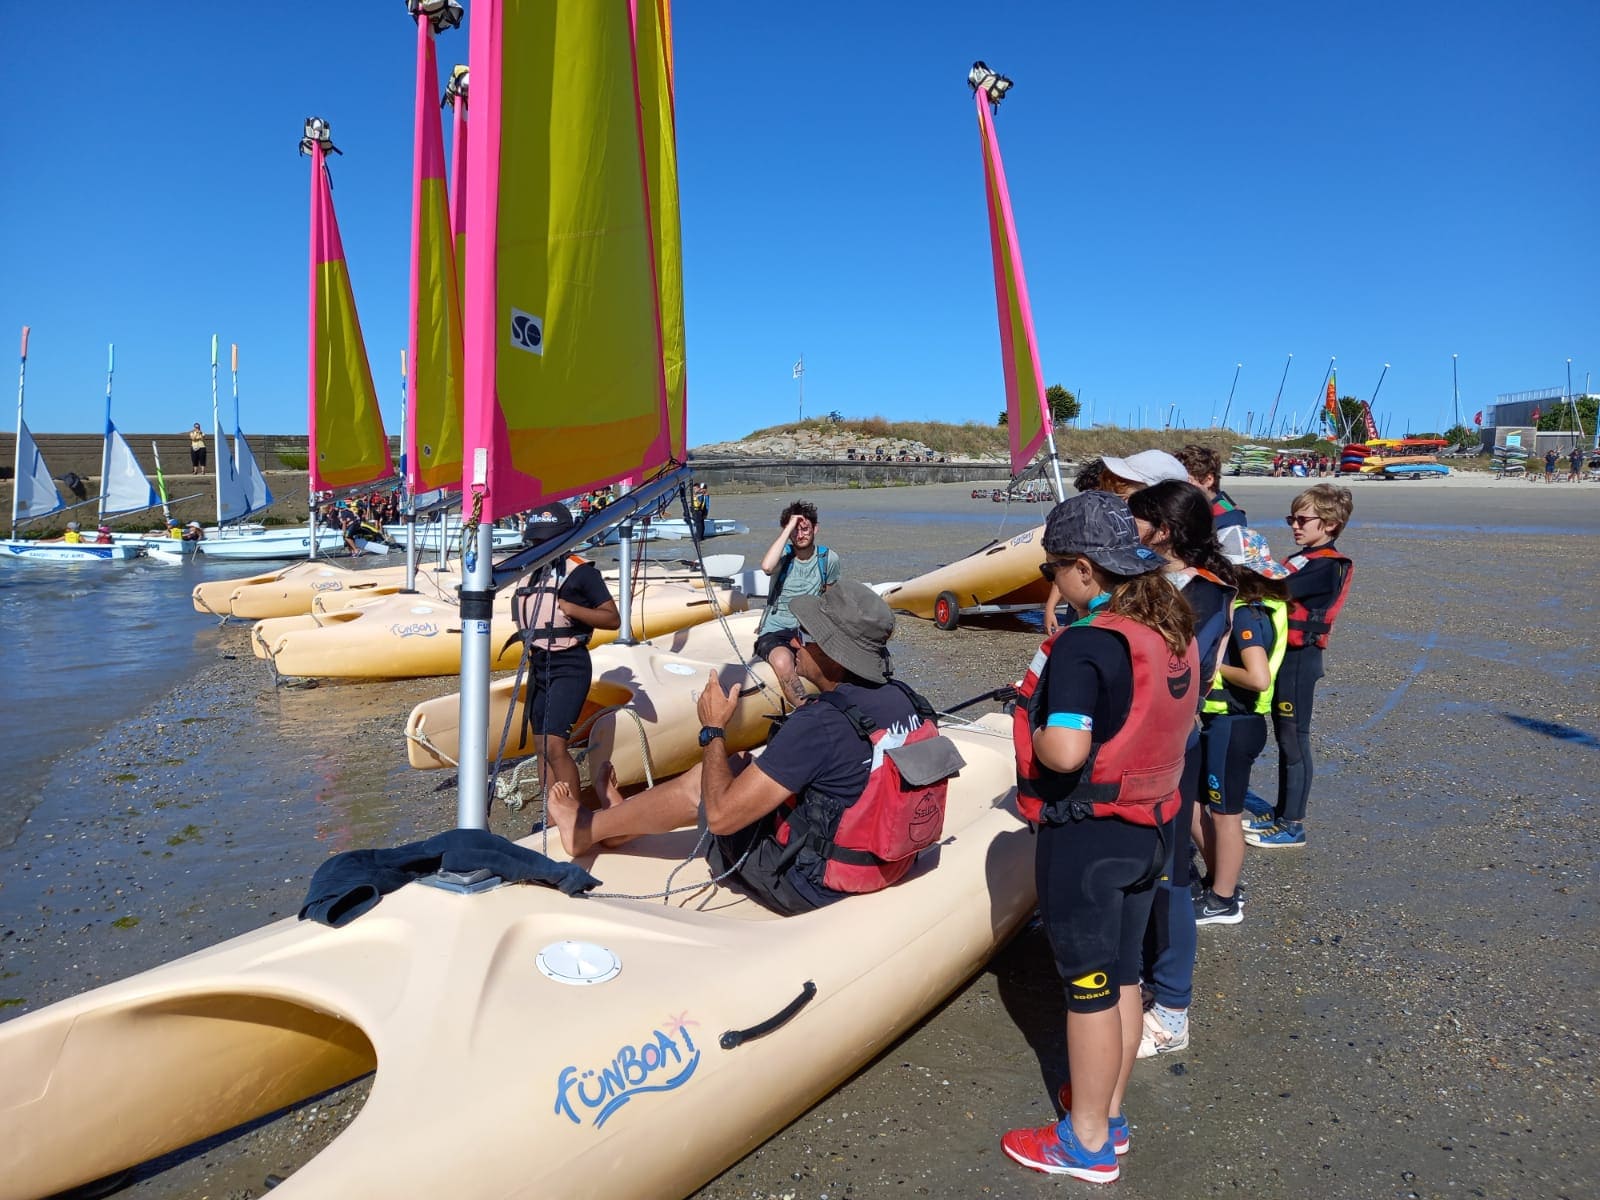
(813, 770)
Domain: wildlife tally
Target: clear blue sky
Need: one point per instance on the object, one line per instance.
(1195, 185)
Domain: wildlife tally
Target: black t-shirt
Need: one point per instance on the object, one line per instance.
(817, 748)
(1089, 674)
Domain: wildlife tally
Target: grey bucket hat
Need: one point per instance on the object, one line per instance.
(1099, 526)
(853, 625)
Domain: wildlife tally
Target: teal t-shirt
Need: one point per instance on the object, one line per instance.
(804, 579)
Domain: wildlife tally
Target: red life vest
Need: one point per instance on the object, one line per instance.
(540, 621)
(1135, 775)
(1311, 626)
(874, 842)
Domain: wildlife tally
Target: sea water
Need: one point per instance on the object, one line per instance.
(83, 646)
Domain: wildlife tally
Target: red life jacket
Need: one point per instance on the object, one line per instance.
(1135, 775)
(874, 842)
(540, 621)
(1311, 626)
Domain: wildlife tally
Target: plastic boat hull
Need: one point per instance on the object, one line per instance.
(1003, 573)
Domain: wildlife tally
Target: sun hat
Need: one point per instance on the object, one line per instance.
(72, 524)
(1147, 467)
(1099, 526)
(852, 625)
(1246, 547)
(194, 524)
(103, 529)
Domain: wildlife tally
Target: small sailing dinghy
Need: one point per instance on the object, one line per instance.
(34, 491)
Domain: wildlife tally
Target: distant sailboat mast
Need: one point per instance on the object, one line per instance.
(105, 449)
(16, 471)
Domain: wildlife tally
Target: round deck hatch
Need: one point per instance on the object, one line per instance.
(578, 963)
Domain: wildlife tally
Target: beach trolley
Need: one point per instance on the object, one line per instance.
(1002, 577)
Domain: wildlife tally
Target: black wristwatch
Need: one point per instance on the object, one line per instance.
(708, 732)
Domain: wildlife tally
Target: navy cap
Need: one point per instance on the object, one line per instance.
(1099, 526)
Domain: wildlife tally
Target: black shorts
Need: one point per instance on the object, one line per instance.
(197, 456)
(1096, 881)
(1232, 744)
(763, 873)
(558, 684)
(768, 642)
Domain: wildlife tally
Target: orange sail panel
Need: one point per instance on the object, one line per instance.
(653, 47)
(348, 443)
(433, 417)
(565, 388)
(1027, 411)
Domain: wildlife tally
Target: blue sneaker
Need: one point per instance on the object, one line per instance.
(1283, 833)
(1259, 824)
(1121, 1139)
(1056, 1150)
(1256, 806)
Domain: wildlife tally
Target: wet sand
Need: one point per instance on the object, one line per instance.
(1406, 1009)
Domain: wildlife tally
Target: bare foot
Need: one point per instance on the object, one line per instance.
(571, 819)
(606, 786)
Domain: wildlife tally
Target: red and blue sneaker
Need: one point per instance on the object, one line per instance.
(1056, 1150)
(1120, 1140)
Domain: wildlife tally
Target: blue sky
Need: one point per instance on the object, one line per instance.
(1195, 185)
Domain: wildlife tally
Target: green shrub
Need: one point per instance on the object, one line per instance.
(294, 460)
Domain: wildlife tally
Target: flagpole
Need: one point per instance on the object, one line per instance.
(800, 377)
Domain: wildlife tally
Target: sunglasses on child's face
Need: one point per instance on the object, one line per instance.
(1296, 521)
(1049, 569)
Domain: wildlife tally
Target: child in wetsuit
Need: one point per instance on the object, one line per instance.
(1100, 755)
(1317, 589)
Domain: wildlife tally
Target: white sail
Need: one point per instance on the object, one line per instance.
(247, 475)
(36, 491)
(233, 504)
(124, 487)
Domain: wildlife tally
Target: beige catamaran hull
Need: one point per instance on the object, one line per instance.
(1003, 574)
(410, 636)
(492, 1079)
(652, 685)
(289, 591)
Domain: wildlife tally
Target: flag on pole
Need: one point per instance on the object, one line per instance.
(1332, 403)
(1372, 426)
(799, 368)
(1535, 416)
(1477, 417)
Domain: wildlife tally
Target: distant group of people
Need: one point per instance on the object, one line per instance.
(1314, 466)
(879, 454)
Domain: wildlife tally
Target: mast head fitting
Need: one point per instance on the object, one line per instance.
(990, 82)
(442, 14)
(457, 85)
(318, 133)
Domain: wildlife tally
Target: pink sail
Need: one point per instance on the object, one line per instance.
(348, 443)
(565, 388)
(433, 417)
(1028, 412)
(458, 184)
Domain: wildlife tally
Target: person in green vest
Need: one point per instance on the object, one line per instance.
(797, 565)
(1234, 722)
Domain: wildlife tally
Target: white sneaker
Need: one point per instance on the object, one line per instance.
(1158, 1039)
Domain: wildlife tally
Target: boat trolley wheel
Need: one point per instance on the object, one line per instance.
(946, 611)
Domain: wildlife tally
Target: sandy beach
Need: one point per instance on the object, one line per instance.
(1406, 1010)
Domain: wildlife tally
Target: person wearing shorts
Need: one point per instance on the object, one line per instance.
(556, 612)
(797, 565)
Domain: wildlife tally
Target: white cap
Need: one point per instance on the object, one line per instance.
(1147, 467)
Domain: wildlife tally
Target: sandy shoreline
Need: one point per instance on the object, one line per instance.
(1405, 1010)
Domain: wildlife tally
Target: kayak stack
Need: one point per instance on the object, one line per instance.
(1510, 460)
(1252, 459)
(1354, 457)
